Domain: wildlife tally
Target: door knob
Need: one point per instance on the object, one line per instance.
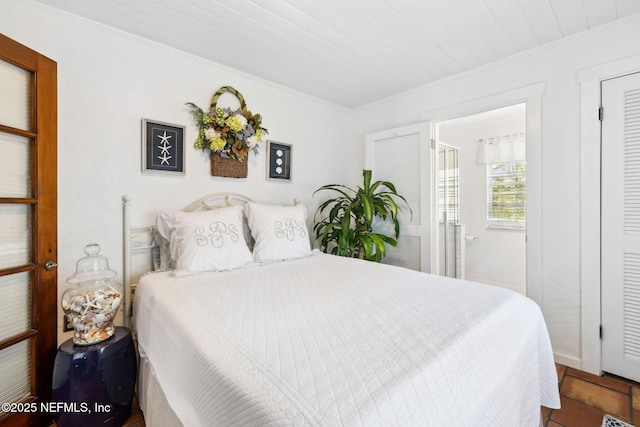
(50, 265)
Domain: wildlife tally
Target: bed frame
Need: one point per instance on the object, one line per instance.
(143, 240)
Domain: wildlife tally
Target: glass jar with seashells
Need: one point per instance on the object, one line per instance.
(91, 302)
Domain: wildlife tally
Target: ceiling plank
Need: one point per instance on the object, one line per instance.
(541, 19)
(571, 16)
(487, 27)
(334, 29)
(452, 31)
(599, 12)
(626, 7)
(515, 24)
(395, 46)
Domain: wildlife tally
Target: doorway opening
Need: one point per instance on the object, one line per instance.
(480, 197)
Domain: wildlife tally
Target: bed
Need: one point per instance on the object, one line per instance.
(298, 337)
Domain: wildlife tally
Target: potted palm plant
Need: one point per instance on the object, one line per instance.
(346, 227)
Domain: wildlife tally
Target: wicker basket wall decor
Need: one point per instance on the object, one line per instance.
(228, 167)
(230, 134)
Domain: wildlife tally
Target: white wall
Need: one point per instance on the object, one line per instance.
(108, 81)
(556, 66)
(498, 256)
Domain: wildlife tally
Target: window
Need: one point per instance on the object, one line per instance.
(506, 195)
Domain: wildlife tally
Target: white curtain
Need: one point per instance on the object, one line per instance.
(507, 148)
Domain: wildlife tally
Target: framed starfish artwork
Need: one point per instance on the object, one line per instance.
(162, 147)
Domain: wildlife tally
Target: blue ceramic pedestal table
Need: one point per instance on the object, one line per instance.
(95, 382)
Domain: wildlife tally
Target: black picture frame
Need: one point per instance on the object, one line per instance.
(279, 161)
(162, 147)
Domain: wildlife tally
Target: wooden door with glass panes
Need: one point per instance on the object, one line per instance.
(28, 232)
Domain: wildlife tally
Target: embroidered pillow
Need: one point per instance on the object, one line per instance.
(208, 240)
(280, 232)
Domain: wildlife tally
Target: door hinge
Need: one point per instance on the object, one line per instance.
(600, 331)
(600, 113)
(433, 144)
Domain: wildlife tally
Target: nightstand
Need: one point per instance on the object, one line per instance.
(94, 385)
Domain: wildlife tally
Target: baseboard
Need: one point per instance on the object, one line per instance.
(569, 361)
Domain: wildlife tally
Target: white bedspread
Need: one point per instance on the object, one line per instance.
(331, 341)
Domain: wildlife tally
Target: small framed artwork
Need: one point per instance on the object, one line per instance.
(278, 161)
(162, 147)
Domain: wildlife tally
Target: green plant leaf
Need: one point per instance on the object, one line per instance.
(390, 187)
(368, 210)
(367, 178)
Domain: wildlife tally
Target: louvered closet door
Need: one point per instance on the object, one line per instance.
(403, 157)
(621, 226)
(28, 232)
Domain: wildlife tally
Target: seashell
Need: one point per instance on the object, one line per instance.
(91, 314)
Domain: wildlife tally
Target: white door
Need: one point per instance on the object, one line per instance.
(403, 157)
(621, 226)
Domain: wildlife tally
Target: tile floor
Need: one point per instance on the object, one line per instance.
(586, 398)
(136, 419)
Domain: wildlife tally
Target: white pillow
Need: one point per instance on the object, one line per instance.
(162, 259)
(280, 232)
(164, 230)
(207, 240)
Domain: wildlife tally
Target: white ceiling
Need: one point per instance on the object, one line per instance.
(352, 52)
